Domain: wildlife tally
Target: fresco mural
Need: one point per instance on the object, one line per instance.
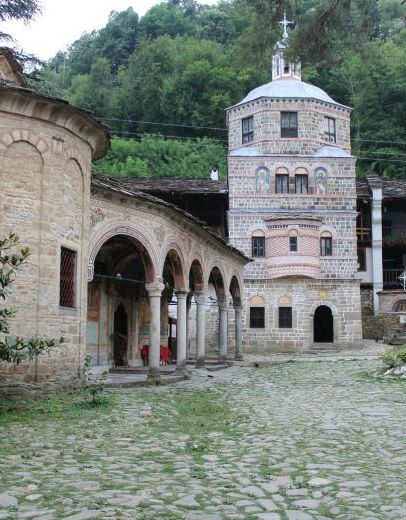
(262, 180)
(320, 180)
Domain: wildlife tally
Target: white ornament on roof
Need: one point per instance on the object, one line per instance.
(281, 67)
(285, 24)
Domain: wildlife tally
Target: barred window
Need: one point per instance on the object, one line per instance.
(285, 317)
(257, 317)
(289, 124)
(301, 183)
(293, 244)
(248, 130)
(330, 129)
(326, 246)
(67, 278)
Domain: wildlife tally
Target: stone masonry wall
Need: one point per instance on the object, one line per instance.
(266, 114)
(305, 295)
(45, 178)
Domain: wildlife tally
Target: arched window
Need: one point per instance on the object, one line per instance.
(281, 180)
(326, 244)
(258, 244)
(301, 180)
(400, 306)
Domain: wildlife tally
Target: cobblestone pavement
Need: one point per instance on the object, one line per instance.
(289, 441)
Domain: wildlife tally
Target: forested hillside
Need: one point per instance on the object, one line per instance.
(162, 82)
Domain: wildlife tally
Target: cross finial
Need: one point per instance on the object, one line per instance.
(285, 24)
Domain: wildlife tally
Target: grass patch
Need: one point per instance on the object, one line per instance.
(72, 405)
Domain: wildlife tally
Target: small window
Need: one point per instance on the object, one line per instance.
(301, 183)
(289, 124)
(67, 278)
(258, 246)
(285, 317)
(282, 183)
(247, 130)
(330, 129)
(362, 260)
(293, 244)
(326, 246)
(257, 317)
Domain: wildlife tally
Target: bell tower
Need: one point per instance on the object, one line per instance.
(281, 67)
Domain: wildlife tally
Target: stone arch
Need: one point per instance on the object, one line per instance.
(196, 276)
(150, 255)
(174, 262)
(328, 229)
(255, 227)
(327, 303)
(16, 135)
(174, 245)
(74, 154)
(216, 277)
(235, 290)
(399, 305)
(21, 180)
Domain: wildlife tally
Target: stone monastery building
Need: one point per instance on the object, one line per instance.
(267, 263)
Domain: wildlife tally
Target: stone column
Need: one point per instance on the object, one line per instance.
(377, 264)
(223, 329)
(181, 331)
(154, 292)
(200, 299)
(238, 338)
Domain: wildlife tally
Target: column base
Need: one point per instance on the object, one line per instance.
(239, 357)
(223, 359)
(181, 371)
(200, 363)
(154, 376)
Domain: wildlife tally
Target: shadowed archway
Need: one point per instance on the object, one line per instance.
(323, 325)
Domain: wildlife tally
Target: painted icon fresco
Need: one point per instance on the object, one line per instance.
(320, 180)
(262, 180)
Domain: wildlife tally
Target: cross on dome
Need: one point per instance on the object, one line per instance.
(285, 24)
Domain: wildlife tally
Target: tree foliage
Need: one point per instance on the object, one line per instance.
(15, 349)
(182, 64)
(154, 156)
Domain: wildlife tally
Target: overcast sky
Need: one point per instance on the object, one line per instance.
(63, 21)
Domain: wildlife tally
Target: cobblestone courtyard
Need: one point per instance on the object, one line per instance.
(290, 441)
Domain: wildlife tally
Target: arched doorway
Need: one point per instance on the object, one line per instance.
(118, 305)
(120, 337)
(323, 325)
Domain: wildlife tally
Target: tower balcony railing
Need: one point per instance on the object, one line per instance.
(392, 279)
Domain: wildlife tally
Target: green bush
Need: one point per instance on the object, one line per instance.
(394, 358)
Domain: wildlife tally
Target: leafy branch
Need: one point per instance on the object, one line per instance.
(16, 349)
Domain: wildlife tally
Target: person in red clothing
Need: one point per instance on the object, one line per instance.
(145, 355)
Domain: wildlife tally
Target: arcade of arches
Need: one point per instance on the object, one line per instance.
(151, 295)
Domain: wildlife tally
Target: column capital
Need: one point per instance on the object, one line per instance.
(154, 288)
(200, 298)
(181, 293)
(223, 305)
